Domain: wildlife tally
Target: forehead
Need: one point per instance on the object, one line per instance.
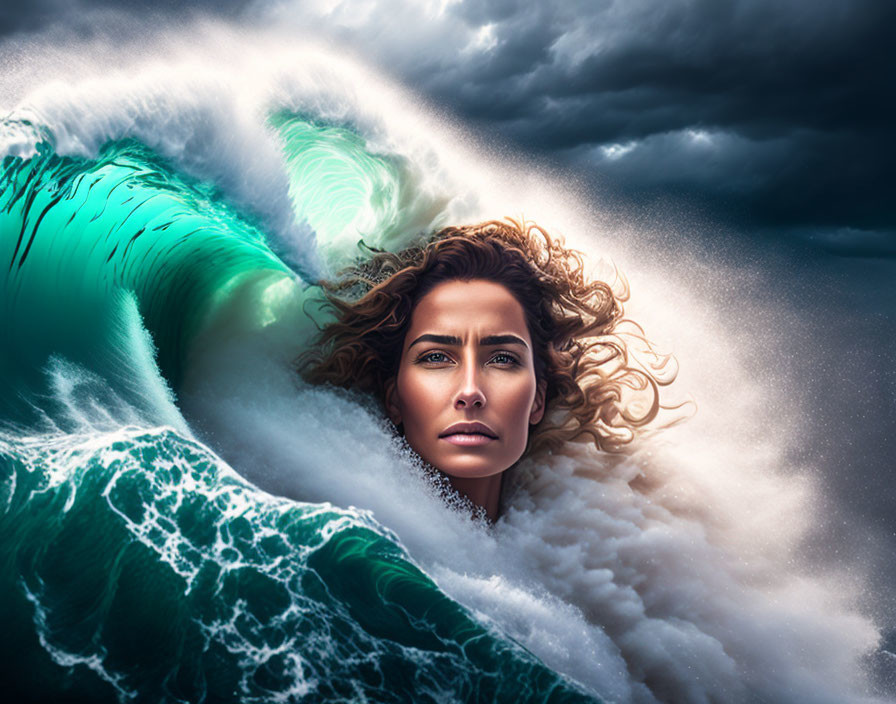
(463, 308)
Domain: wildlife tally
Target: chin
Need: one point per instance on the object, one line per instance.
(469, 470)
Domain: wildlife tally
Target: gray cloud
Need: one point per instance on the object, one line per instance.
(21, 18)
(795, 95)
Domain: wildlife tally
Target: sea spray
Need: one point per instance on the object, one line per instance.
(607, 567)
(138, 562)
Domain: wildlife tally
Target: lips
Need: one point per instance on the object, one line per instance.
(468, 434)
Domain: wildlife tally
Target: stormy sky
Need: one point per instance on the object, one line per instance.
(769, 115)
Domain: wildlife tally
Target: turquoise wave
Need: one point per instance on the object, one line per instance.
(88, 243)
(136, 565)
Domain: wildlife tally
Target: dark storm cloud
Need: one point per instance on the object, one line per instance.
(655, 66)
(791, 101)
(24, 17)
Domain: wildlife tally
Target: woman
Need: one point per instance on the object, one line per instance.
(485, 344)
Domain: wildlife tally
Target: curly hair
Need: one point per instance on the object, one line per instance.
(598, 386)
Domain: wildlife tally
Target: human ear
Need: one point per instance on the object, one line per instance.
(537, 412)
(391, 397)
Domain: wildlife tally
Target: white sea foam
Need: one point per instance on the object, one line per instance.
(673, 574)
(180, 94)
(93, 661)
(667, 576)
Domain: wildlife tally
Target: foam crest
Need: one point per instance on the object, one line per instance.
(213, 120)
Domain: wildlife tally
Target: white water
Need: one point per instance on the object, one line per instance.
(674, 574)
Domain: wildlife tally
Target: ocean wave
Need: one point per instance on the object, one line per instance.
(160, 224)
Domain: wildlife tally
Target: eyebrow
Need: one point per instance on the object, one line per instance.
(503, 340)
(456, 341)
(438, 339)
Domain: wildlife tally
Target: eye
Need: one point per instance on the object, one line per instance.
(504, 359)
(433, 358)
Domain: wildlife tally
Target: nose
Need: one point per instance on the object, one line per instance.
(471, 393)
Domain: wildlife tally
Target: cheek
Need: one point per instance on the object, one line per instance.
(517, 405)
(524, 394)
(416, 395)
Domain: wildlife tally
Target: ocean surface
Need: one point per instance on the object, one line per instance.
(181, 519)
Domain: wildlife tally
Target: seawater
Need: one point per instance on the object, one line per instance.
(139, 566)
(183, 520)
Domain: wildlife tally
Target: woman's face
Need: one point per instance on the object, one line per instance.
(466, 390)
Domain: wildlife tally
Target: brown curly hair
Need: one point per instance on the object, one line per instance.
(596, 387)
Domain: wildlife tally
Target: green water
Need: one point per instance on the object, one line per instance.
(137, 566)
